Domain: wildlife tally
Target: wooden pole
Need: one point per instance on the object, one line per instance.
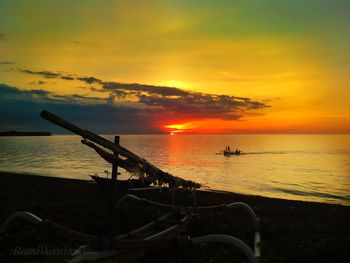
(113, 186)
(97, 139)
(131, 167)
(88, 135)
(115, 164)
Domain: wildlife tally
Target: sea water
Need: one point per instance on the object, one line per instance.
(300, 167)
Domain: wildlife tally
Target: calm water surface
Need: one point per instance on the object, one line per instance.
(301, 167)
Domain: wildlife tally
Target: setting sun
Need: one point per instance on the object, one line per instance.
(180, 128)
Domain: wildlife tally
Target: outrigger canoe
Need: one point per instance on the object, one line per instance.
(131, 183)
(228, 153)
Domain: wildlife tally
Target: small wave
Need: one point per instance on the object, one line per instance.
(285, 152)
(312, 194)
(268, 152)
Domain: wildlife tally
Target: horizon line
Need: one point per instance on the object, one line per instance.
(247, 133)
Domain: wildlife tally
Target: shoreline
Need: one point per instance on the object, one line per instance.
(203, 189)
(23, 133)
(292, 231)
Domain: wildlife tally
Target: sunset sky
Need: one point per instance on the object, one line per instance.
(176, 66)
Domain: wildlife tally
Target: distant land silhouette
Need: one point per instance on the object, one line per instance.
(19, 133)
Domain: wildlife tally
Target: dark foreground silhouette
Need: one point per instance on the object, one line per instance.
(291, 231)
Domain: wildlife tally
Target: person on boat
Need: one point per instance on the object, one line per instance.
(228, 148)
(238, 151)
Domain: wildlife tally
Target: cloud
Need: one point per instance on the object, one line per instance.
(49, 74)
(21, 109)
(67, 77)
(77, 43)
(43, 96)
(60, 75)
(198, 105)
(6, 62)
(45, 74)
(2, 36)
(160, 104)
(188, 104)
(6, 90)
(39, 82)
(90, 80)
(160, 90)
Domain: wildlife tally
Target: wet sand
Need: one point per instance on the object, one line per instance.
(292, 231)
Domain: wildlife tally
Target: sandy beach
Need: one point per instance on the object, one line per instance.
(292, 231)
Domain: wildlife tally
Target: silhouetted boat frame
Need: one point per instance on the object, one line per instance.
(130, 183)
(167, 232)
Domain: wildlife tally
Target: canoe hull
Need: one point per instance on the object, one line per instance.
(132, 183)
(227, 153)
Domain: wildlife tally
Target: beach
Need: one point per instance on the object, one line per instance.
(291, 231)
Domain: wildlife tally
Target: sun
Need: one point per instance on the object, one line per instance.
(180, 128)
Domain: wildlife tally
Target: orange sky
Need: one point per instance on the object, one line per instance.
(293, 57)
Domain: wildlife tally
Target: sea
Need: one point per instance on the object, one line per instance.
(312, 167)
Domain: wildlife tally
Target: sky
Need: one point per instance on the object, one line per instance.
(140, 67)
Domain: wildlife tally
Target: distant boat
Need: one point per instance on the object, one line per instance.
(228, 152)
(131, 183)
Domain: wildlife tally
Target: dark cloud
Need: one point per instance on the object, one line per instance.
(77, 43)
(90, 80)
(160, 90)
(195, 104)
(45, 74)
(39, 82)
(60, 75)
(77, 99)
(67, 77)
(199, 105)
(187, 103)
(159, 102)
(21, 109)
(38, 92)
(6, 62)
(6, 90)
(2, 36)
(39, 95)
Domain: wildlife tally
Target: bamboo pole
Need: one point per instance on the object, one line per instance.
(89, 135)
(116, 148)
(113, 185)
(126, 164)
